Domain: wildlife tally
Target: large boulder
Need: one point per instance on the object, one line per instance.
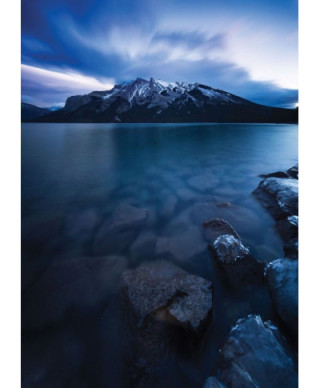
(236, 261)
(70, 287)
(117, 233)
(256, 355)
(279, 196)
(282, 282)
(163, 306)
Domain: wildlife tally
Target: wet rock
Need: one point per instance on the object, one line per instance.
(205, 182)
(256, 355)
(213, 382)
(162, 289)
(293, 171)
(282, 282)
(291, 249)
(216, 227)
(163, 306)
(70, 287)
(116, 234)
(288, 228)
(279, 196)
(238, 265)
(181, 248)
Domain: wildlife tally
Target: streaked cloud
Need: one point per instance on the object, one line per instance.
(48, 86)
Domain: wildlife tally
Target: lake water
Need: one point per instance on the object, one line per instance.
(73, 178)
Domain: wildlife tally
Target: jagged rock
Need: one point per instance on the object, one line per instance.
(279, 196)
(216, 227)
(293, 171)
(116, 234)
(72, 286)
(213, 382)
(238, 265)
(282, 283)
(163, 306)
(256, 355)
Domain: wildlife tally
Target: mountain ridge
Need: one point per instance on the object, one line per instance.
(161, 101)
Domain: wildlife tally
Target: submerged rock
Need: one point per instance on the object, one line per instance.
(279, 196)
(70, 287)
(116, 234)
(282, 282)
(183, 247)
(204, 183)
(163, 306)
(216, 227)
(238, 265)
(256, 355)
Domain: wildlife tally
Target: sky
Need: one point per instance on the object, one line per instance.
(247, 47)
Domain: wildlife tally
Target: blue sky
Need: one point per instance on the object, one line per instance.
(246, 47)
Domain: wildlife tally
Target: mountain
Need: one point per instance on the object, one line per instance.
(30, 112)
(159, 101)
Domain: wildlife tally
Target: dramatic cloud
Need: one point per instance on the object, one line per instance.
(48, 87)
(249, 49)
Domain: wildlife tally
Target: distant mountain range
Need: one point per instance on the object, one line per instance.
(158, 101)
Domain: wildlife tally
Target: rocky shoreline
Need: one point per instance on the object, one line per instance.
(166, 309)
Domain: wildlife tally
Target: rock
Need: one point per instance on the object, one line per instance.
(279, 196)
(213, 382)
(216, 227)
(205, 182)
(291, 249)
(72, 286)
(293, 171)
(229, 248)
(277, 174)
(163, 306)
(116, 234)
(288, 228)
(255, 355)
(238, 265)
(183, 247)
(282, 282)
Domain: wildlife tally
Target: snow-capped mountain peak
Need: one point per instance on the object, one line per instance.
(155, 95)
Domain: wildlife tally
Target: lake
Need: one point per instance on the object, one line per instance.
(73, 178)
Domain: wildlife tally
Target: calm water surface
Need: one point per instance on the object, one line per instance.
(75, 175)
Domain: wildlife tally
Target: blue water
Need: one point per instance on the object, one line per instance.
(181, 174)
